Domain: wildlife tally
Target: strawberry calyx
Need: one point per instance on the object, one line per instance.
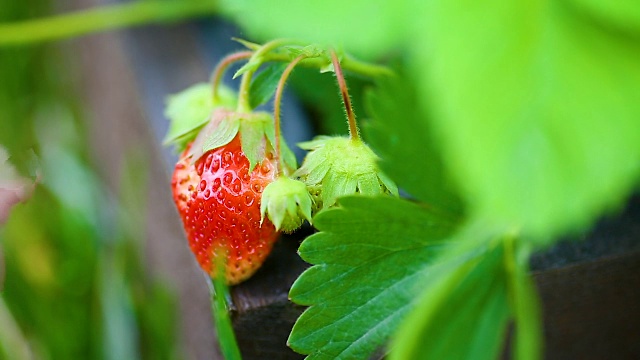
(255, 129)
(342, 166)
(190, 109)
(287, 203)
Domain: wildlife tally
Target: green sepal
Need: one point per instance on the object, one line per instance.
(257, 137)
(224, 133)
(191, 108)
(255, 128)
(342, 166)
(248, 44)
(287, 203)
(221, 129)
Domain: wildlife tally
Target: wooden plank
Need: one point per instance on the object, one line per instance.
(592, 310)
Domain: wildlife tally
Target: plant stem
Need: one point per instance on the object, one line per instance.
(274, 44)
(222, 66)
(348, 63)
(102, 18)
(219, 293)
(276, 106)
(354, 133)
(254, 63)
(244, 103)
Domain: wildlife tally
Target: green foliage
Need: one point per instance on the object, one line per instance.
(526, 308)
(526, 113)
(287, 203)
(364, 27)
(320, 95)
(539, 99)
(464, 310)
(339, 175)
(371, 260)
(220, 300)
(264, 84)
(399, 136)
(190, 109)
(255, 130)
(57, 298)
(537, 107)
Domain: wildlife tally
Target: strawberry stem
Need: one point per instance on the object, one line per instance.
(220, 300)
(354, 132)
(258, 57)
(276, 106)
(244, 105)
(222, 66)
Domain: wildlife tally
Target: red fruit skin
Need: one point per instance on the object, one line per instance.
(219, 203)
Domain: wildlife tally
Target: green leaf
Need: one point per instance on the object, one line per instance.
(364, 27)
(264, 84)
(463, 313)
(404, 141)
(319, 93)
(537, 107)
(372, 257)
(621, 15)
(252, 65)
(190, 109)
(248, 44)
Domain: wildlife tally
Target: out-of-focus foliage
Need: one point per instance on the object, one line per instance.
(74, 286)
(534, 105)
(528, 112)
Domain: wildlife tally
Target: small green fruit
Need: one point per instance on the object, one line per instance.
(342, 166)
(287, 203)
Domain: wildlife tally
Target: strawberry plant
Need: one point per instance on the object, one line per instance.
(504, 126)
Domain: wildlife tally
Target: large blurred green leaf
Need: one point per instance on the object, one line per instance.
(264, 84)
(463, 314)
(371, 259)
(465, 309)
(406, 145)
(366, 28)
(320, 94)
(621, 15)
(537, 106)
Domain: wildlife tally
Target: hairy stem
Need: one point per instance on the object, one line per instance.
(257, 59)
(103, 18)
(222, 66)
(348, 63)
(244, 103)
(354, 133)
(276, 105)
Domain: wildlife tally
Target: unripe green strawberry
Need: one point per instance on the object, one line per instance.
(342, 166)
(287, 203)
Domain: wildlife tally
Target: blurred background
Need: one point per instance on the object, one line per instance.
(93, 260)
(95, 265)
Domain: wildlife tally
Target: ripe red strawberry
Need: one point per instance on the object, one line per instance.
(219, 203)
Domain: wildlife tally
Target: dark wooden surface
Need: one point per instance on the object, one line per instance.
(592, 309)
